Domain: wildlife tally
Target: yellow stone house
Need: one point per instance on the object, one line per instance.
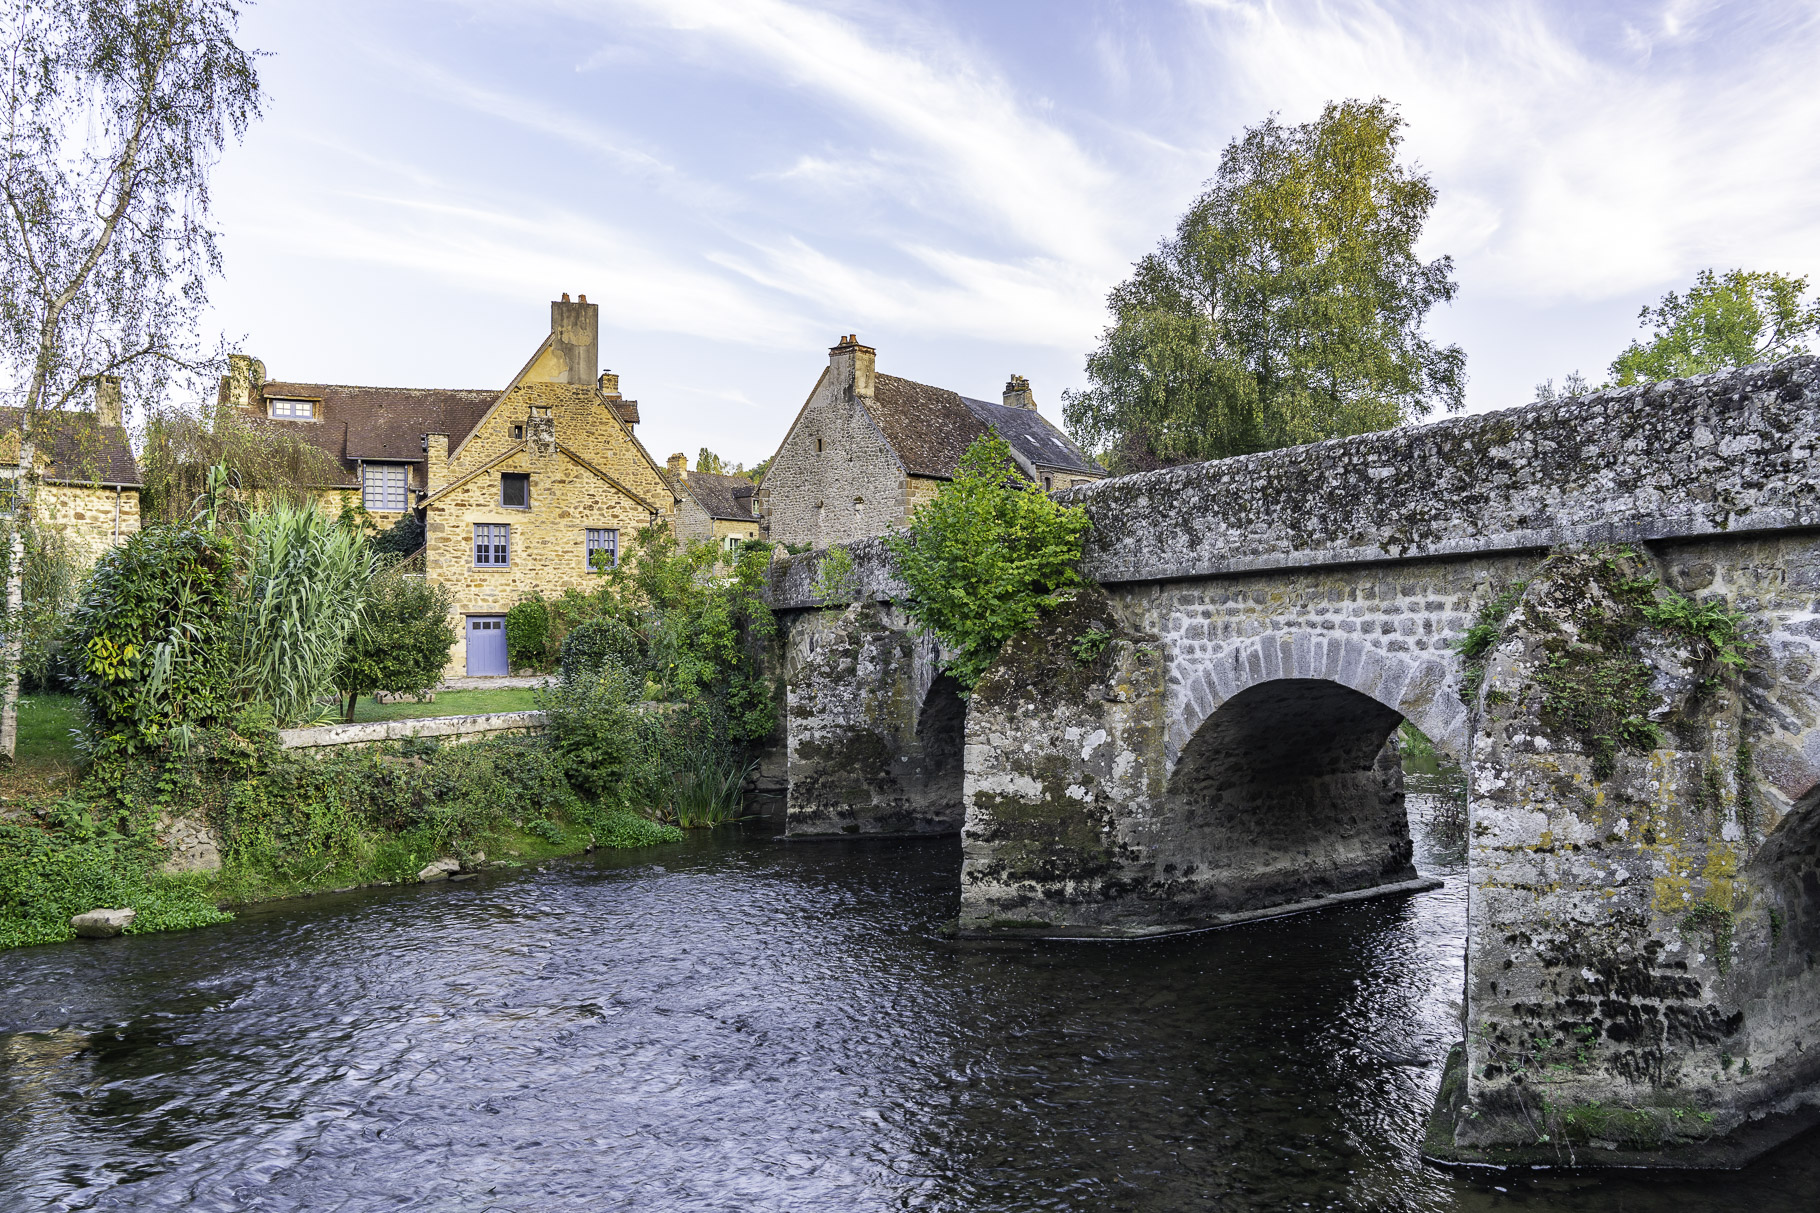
(87, 478)
(533, 488)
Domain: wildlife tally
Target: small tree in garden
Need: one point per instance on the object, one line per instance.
(403, 641)
(986, 556)
(528, 633)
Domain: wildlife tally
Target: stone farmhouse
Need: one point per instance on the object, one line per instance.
(87, 478)
(534, 487)
(714, 506)
(868, 449)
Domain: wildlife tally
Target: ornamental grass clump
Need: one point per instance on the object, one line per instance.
(303, 590)
(986, 557)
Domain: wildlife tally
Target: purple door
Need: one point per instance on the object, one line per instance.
(487, 645)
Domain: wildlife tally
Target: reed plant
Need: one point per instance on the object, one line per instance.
(302, 592)
(710, 791)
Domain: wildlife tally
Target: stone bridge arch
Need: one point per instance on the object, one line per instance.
(1422, 687)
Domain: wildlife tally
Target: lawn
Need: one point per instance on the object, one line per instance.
(45, 752)
(448, 703)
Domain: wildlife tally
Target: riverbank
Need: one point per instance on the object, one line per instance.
(185, 838)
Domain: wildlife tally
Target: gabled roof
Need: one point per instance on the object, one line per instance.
(930, 428)
(80, 451)
(720, 496)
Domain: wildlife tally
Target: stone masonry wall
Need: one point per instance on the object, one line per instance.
(87, 516)
(810, 496)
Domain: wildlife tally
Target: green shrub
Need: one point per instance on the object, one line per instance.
(528, 633)
(602, 741)
(986, 556)
(151, 637)
(598, 643)
(403, 640)
(403, 538)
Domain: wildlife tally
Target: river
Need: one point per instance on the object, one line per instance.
(731, 1024)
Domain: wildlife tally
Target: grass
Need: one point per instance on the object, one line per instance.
(448, 703)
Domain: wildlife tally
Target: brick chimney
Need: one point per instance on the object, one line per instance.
(575, 338)
(854, 366)
(1017, 393)
(107, 400)
(679, 464)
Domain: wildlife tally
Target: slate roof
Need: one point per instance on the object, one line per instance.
(81, 452)
(721, 496)
(387, 424)
(1033, 437)
(930, 428)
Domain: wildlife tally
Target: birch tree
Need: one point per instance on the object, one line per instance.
(113, 114)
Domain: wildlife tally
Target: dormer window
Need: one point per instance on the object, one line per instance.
(293, 410)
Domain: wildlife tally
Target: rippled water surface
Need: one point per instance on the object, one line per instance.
(733, 1024)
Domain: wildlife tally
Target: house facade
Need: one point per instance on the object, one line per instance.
(533, 488)
(87, 481)
(714, 506)
(867, 450)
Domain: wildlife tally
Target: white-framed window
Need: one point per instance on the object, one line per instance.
(382, 487)
(603, 549)
(305, 409)
(515, 490)
(492, 545)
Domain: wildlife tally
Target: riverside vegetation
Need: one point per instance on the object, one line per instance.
(192, 643)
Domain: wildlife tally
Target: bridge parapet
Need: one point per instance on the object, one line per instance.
(1710, 455)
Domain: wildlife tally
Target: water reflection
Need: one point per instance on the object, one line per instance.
(746, 1026)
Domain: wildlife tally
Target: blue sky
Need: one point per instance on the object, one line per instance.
(739, 182)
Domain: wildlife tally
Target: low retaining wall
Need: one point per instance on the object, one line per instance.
(449, 729)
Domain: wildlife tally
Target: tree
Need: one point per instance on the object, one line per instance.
(114, 112)
(403, 641)
(1736, 320)
(985, 556)
(265, 464)
(1287, 308)
(708, 461)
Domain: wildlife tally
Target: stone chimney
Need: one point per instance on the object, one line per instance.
(679, 464)
(609, 385)
(240, 387)
(855, 366)
(575, 339)
(436, 460)
(107, 400)
(1017, 393)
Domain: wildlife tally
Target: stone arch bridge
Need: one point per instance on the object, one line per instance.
(1204, 737)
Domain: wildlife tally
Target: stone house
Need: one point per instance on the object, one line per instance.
(87, 479)
(867, 449)
(533, 488)
(714, 506)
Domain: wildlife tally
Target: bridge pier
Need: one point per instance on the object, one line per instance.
(874, 728)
